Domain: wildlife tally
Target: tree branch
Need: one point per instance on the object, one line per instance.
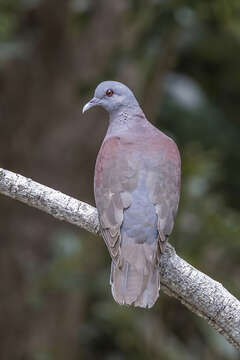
(198, 292)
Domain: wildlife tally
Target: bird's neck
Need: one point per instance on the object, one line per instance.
(124, 120)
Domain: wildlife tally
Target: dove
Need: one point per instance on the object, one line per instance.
(137, 189)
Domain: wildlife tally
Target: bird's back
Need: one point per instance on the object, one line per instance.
(135, 215)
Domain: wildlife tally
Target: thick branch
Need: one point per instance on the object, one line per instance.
(201, 294)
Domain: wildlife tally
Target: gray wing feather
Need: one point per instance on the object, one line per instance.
(115, 178)
(164, 188)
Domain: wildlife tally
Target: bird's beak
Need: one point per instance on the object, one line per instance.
(90, 104)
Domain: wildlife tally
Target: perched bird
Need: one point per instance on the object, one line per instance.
(137, 188)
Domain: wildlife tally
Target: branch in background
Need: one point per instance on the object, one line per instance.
(198, 292)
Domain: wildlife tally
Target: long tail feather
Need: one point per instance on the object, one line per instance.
(131, 286)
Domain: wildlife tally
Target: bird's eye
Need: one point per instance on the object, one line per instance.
(109, 92)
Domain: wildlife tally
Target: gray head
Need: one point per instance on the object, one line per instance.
(112, 96)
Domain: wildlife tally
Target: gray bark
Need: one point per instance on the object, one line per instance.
(198, 292)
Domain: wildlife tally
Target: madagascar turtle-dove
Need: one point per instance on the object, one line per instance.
(137, 188)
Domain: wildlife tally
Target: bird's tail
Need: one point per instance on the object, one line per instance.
(135, 285)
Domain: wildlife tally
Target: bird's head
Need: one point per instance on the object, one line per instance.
(112, 96)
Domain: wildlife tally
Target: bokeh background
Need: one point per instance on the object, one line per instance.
(182, 59)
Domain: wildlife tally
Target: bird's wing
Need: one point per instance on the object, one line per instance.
(115, 179)
(163, 182)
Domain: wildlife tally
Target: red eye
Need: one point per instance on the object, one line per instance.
(109, 92)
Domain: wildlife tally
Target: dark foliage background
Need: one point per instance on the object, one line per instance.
(181, 58)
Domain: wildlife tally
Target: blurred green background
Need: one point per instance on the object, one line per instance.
(182, 59)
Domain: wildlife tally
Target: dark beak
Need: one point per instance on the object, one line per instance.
(90, 104)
